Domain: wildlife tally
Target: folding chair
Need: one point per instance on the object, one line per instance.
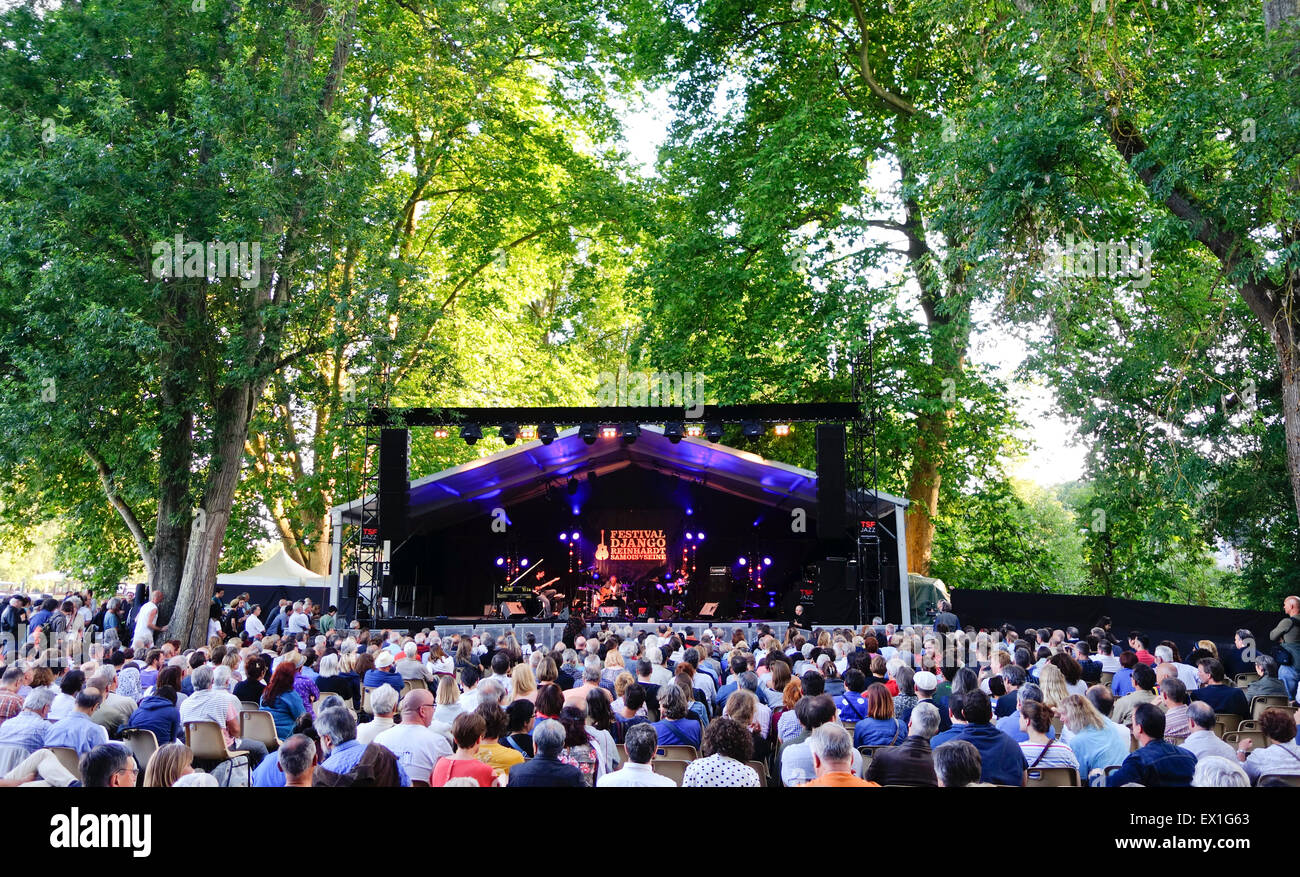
(1241, 680)
(248, 705)
(1230, 721)
(209, 745)
(1045, 777)
(259, 725)
(848, 726)
(1291, 779)
(1106, 679)
(760, 767)
(69, 759)
(143, 743)
(677, 752)
(365, 700)
(674, 769)
(622, 753)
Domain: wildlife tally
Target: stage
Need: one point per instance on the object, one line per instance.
(547, 633)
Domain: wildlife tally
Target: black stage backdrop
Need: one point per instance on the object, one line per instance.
(1183, 625)
(453, 569)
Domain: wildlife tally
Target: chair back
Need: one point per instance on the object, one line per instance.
(1052, 776)
(206, 741)
(1256, 738)
(1291, 779)
(1107, 679)
(760, 767)
(69, 759)
(143, 743)
(248, 705)
(849, 726)
(672, 768)
(1230, 721)
(365, 700)
(1241, 680)
(259, 725)
(677, 752)
(1263, 701)
(411, 685)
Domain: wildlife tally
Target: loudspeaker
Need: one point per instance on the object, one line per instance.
(513, 609)
(351, 582)
(833, 574)
(832, 499)
(394, 484)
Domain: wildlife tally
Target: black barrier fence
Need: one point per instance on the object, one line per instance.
(1183, 625)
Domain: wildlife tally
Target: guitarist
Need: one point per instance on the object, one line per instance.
(544, 591)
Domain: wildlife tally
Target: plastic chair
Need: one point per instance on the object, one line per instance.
(1106, 679)
(849, 726)
(1241, 680)
(1230, 721)
(209, 745)
(1263, 701)
(248, 705)
(677, 752)
(1257, 738)
(1291, 779)
(69, 759)
(365, 701)
(1045, 777)
(672, 768)
(622, 753)
(411, 685)
(761, 768)
(260, 726)
(143, 743)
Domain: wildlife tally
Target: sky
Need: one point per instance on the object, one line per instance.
(1056, 455)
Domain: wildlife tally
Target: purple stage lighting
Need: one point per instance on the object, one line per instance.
(564, 537)
(699, 536)
(767, 561)
(741, 561)
(524, 562)
(690, 511)
(690, 536)
(501, 561)
(577, 536)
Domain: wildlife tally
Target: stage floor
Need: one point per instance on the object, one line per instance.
(547, 633)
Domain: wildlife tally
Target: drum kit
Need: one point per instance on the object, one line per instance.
(649, 594)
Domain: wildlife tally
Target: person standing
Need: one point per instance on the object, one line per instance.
(1287, 634)
(146, 621)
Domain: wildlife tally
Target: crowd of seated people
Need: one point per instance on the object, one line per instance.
(874, 707)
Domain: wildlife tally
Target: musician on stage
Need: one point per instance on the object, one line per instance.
(545, 592)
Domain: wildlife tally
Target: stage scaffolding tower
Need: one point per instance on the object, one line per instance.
(362, 544)
(864, 479)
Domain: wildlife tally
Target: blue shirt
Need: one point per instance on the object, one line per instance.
(376, 678)
(1159, 763)
(1098, 747)
(678, 732)
(77, 732)
(879, 732)
(27, 729)
(1001, 760)
(345, 756)
(285, 712)
(39, 617)
(268, 774)
(1122, 684)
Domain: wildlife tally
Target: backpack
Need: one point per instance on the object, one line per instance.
(377, 767)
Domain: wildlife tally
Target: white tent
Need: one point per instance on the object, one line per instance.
(279, 569)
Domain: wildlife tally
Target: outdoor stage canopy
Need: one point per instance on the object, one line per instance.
(743, 504)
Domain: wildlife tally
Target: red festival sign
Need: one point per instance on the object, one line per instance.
(649, 545)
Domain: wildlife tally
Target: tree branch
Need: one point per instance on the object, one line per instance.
(123, 509)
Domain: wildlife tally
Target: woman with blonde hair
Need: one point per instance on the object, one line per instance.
(1096, 742)
(1052, 681)
(1209, 646)
(613, 666)
(448, 700)
(523, 685)
(168, 764)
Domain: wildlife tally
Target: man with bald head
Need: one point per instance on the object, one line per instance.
(416, 746)
(146, 622)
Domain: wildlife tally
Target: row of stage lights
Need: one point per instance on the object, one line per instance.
(674, 431)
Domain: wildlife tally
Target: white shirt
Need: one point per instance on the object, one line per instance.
(368, 731)
(253, 626)
(634, 775)
(1203, 744)
(719, 771)
(148, 615)
(416, 747)
(299, 623)
(1188, 676)
(660, 675)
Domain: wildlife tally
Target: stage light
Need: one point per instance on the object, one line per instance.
(501, 561)
(508, 433)
(547, 433)
(741, 561)
(694, 430)
(573, 484)
(699, 536)
(690, 511)
(528, 433)
(630, 433)
(673, 431)
(564, 537)
(689, 536)
(752, 430)
(713, 431)
(575, 509)
(440, 433)
(523, 562)
(577, 537)
(609, 432)
(471, 432)
(781, 429)
(588, 433)
(767, 561)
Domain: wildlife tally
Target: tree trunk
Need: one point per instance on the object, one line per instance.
(1288, 356)
(189, 621)
(923, 491)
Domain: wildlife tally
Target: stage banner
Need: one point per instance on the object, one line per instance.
(636, 544)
